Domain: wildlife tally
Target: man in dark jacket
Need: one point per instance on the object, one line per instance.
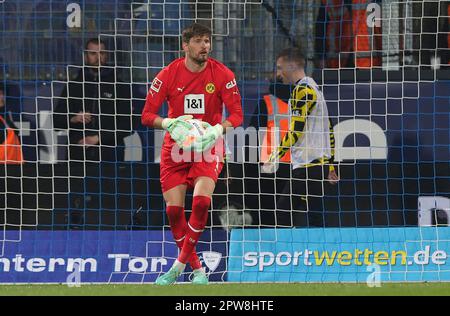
(96, 109)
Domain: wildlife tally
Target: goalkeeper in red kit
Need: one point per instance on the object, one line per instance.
(197, 87)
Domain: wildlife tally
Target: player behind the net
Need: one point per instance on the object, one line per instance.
(195, 86)
(310, 139)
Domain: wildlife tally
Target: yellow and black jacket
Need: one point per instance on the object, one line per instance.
(310, 137)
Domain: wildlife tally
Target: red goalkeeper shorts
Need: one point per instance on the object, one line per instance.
(173, 173)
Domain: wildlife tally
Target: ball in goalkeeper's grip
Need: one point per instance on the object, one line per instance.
(197, 130)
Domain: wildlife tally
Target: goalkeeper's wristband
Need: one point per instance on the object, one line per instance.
(166, 123)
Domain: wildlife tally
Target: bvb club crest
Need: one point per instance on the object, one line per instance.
(210, 88)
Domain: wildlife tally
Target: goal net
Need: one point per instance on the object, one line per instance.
(85, 195)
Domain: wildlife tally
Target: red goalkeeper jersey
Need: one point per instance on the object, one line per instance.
(201, 94)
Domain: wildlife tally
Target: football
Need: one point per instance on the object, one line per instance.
(195, 132)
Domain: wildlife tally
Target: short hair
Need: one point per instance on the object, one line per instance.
(293, 54)
(95, 41)
(196, 29)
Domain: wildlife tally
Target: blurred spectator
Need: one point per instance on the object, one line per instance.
(10, 148)
(278, 90)
(334, 34)
(11, 172)
(272, 110)
(97, 109)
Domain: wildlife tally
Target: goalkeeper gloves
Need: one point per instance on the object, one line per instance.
(211, 136)
(178, 128)
(205, 142)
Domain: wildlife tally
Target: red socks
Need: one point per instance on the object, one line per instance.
(197, 222)
(178, 225)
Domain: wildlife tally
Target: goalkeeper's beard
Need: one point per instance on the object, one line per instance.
(200, 60)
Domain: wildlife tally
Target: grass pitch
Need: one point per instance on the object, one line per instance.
(262, 289)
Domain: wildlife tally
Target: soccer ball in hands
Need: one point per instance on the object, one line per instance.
(194, 135)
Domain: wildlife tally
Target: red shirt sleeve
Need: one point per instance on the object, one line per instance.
(156, 95)
(232, 99)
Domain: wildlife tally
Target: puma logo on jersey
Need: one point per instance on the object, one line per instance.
(180, 89)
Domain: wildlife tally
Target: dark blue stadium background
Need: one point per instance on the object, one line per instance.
(413, 108)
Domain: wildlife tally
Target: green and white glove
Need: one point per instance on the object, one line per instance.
(209, 139)
(178, 128)
(197, 144)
